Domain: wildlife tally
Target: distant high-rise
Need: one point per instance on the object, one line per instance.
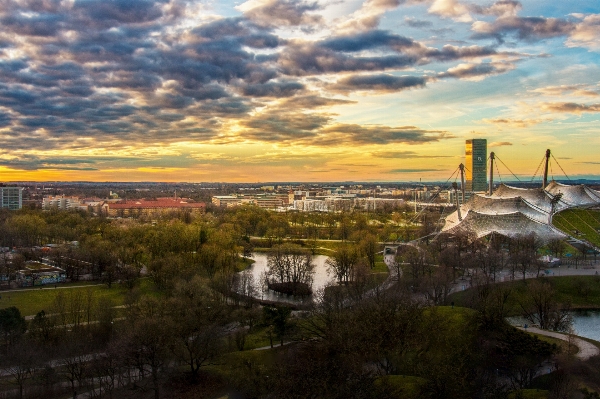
(11, 197)
(476, 165)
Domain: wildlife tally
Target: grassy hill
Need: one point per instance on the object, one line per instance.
(580, 223)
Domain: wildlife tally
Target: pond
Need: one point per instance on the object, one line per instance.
(586, 323)
(322, 278)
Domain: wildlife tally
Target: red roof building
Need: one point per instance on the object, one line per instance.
(155, 207)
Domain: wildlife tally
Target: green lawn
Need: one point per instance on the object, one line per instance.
(258, 339)
(529, 394)
(585, 221)
(583, 292)
(401, 386)
(562, 344)
(31, 301)
(380, 266)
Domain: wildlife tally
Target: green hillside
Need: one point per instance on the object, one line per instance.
(580, 223)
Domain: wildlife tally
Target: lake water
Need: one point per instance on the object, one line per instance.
(321, 279)
(586, 323)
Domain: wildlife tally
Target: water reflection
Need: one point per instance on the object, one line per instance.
(321, 279)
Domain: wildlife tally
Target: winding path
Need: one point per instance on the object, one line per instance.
(586, 349)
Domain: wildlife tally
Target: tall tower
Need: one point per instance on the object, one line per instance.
(476, 164)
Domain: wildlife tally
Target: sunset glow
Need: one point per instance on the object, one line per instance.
(274, 90)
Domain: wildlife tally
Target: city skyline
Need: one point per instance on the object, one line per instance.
(268, 90)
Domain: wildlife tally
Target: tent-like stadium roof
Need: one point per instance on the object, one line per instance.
(574, 196)
(513, 211)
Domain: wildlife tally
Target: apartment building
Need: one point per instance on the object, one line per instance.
(62, 202)
(11, 197)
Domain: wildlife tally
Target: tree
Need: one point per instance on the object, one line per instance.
(523, 253)
(74, 363)
(490, 261)
(490, 301)
(519, 355)
(12, 325)
(22, 360)
(438, 285)
(540, 307)
(148, 343)
(42, 328)
(290, 269)
(198, 326)
(369, 248)
(277, 316)
(557, 246)
(415, 257)
(343, 262)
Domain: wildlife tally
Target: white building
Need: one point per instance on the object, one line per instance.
(309, 205)
(63, 203)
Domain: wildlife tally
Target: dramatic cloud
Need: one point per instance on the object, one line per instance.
(520, 123)
(405, 155)
(524, 28)
(572, 108)
(357, 134)
(307, 59)
(30, 162)
(312, 102)
(273, 89)
(503, 8)
(284, 127)
(407, 170)
(100, 76)
(381, 83)
(578, 90)
(318, 130)
(277, 13)
(451, 9)
(368, 16)
(476, 71)
(370, 40)
(499, 144)
(586, 32)
(417, 23)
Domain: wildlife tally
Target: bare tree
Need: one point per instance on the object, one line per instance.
(369, 248)
(540, 307)
(343, 262)
(557, 246)
(198, 326)
(290, 269)
(438, 285)
(20, 364)
(523, 253)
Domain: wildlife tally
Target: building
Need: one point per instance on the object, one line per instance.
(266, 201)
(62, 202)
(226, 200)
(11, 197)
(512, 211)
(37, 274)
(152, 208)
(476, 165)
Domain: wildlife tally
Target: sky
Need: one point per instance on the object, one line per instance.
(312, 91)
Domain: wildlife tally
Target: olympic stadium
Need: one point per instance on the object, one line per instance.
(513, 211)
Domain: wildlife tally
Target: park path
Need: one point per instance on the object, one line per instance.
(586, 349)
(48, 287)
